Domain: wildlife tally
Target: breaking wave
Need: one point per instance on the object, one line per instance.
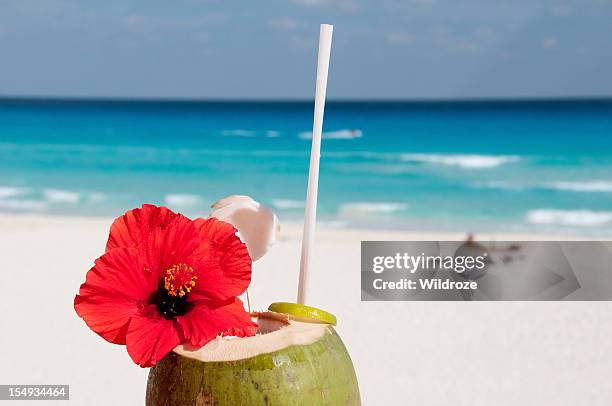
(588, 186)
(273, 134)
(579, 218)
(503, 185)
(469, 161)
(288, 204)
(182, 199)
(575, 186)
(238, 133)
(25, 205)
(346, 134)
(61, 196)
(10, 191)
(371, 208)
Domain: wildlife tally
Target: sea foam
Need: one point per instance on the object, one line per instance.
(288, 204)
(371, 208)
(238, 133)
(23, 205)
(272, 134)
(10, 191)
(503, 185)
(586, 186)
(580, 218)
(346, 134)
(564, 186)
(469, 161)
(182, 199)
(61, 196)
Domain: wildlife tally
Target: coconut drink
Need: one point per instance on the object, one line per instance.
(288, 362)
(169, 289)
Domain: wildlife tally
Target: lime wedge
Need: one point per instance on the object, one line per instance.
(303, 313)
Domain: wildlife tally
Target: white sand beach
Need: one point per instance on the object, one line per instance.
(421, 353)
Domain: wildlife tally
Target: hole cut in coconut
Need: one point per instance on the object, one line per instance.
(274, 333)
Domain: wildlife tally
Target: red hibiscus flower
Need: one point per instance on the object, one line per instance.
(165, 280)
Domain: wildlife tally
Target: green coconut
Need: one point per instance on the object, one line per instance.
(288, 362)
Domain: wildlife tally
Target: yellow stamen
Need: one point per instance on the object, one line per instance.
(179, 280)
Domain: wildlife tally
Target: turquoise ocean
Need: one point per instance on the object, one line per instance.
(541, 166)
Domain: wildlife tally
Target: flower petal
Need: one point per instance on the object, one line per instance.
(203, 323)
(257, 225)
(223, 262)
(171, 245)
(132, 228)
(150, 337)
(113, 289)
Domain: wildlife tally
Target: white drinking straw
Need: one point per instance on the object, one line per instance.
(310, 214)
(248, 299)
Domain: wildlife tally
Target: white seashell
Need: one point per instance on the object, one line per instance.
(257, 225)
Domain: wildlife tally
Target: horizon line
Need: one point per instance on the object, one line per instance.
(121, 99)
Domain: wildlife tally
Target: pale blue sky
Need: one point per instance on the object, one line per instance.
(409, 49)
